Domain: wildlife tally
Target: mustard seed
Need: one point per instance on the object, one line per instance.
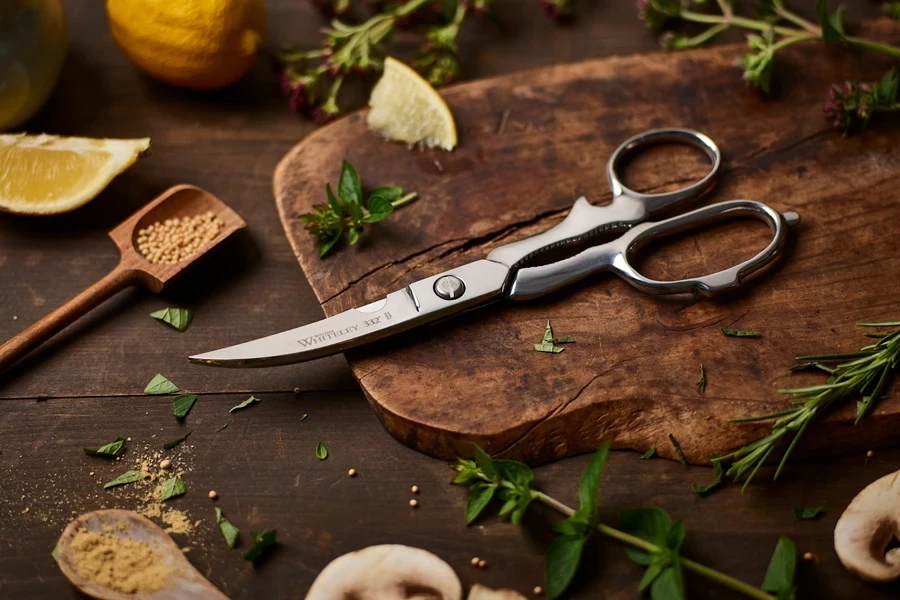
(177, 239)
(352, 472)
(414, 489)
(482, 564)
(475, 561)
(538, 590)
(414, 503)
(213, 495)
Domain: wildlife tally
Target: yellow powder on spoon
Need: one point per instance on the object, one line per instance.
(120, 564)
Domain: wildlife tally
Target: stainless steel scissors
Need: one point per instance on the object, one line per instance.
(505, 273)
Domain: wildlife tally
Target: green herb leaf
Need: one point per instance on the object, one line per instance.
(833, 26)
(179, 318)
(112, 449)
(159, 386)
(54, 554)
(670, 583)
(589, 487)
(329, 243)
(886, 89)
(561, 563)
(171, 488)
(678, 451)
(736, 333)
(391, 193)
(173, 443)
(181, 405)
(654, 570)
(349, 186)
(719, 473)
(485, 463)
(126, 477)
(648, 454)
(321, 451)
(222, 427)
(230, 532)
(701, 383)
(245, 404)
(516, 472)
(333, 202)
(568, 339)
(548, 332)
(355, 232)
(480, 496)
(262, 540)
(303, 416)
(379, 209)
(649, 524)
(779, 577)
(548, 347)
(804, 514)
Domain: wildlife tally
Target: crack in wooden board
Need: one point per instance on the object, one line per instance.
(630, 376)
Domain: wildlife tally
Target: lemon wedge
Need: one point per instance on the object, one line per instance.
(48, 174)
(405, 108)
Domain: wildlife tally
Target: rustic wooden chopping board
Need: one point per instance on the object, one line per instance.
(530, 144)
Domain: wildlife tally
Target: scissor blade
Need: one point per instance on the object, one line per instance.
(398, 311)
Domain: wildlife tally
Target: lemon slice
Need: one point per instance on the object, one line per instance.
(407, 109)
(48, 174)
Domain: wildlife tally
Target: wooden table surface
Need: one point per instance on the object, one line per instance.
(84, 388)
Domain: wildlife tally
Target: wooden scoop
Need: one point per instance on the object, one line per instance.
(133, 268)
(184, 582)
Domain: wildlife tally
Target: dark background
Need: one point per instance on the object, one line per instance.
(84, 387)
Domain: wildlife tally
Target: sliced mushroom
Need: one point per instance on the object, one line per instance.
(479, 592)
(866, 529)
(386, 572)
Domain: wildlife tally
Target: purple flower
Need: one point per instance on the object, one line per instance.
(850, 105)
(298, 88)
(656, 14)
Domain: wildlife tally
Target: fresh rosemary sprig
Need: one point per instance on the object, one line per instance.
(864, 374)
(652, 539)
(346, 211)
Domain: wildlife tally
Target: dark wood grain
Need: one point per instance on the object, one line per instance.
(630, 377)
(263, 465)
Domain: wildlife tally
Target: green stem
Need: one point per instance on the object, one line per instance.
(689, 15)
(409, 7)
(405, 200)
(871, 45)
(796, 19)
(626, 538)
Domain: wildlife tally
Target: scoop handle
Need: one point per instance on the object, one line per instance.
(23, 343)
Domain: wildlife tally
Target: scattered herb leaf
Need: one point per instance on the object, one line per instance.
(805, 514)
(222, 427)
(173, 443)
(779, 577)
(181, 405)
(701, 383)
(159, 386)
(230, 532)
(561, 563)
(678, 451)
(303, 416)
(262, 540)
(663, 576)
(480, 496)
(568, 339)
(548, 343)
(736, 333)
(548, 347)
(112, 449)
(719, 479)
(126, 477)
(179, 318)
(245, 404)
(55, 552)
(321, 451)
(171, 488)
(649, 454)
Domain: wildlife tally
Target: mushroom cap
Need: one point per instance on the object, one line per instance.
(386, 572)
(479, 592)
(867, 527)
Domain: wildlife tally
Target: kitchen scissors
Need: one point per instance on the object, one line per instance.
(505, 272)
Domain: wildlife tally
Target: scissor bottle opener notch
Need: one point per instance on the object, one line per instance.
(505, 272)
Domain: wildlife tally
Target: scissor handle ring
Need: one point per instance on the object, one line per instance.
(656, 202)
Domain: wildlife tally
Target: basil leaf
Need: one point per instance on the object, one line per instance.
(179, 318)
(325, 246)
(782, 566)
(804, 514)
(485, 463)
(262, 540)
(718, 472)
(480, 496)
(649, 524)
(513, 471)
(833, 26)
(112, 449)
(349, 186)
(321, 451)
(649, 454)
(548, 347)
(548, 332)
(181, 405)
(675, 535)
(333, 202)
(379, 209)
(886, 89)
(245, 404)
(670, 583)
(654, 570)
(589, 487)
(159, 386)
(562, 560)
(126, 477)
(736, 333)
(171, 488)
(230, 532)
(388, 192)
(678, 451)
(173, 443)
(355, 232)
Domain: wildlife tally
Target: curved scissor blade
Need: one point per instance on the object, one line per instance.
(398, 311)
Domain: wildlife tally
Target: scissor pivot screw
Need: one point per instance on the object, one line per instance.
(449, 287)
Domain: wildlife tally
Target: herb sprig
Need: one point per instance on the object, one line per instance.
(865, 374)
(346, 211)
(652, 539)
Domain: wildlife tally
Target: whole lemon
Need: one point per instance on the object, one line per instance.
(199, 44)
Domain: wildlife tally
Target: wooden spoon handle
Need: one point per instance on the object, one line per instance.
(116, 280)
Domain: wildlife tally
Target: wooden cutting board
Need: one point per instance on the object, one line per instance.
(530, 144)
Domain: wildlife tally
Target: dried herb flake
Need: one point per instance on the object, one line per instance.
(321, 451)
(736, 333)
(245, 404)
(649, 454)
(678, 451)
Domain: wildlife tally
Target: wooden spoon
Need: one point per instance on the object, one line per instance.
(133, 268)
(183, 583)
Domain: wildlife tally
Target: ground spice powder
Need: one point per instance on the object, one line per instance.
(120, 564)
